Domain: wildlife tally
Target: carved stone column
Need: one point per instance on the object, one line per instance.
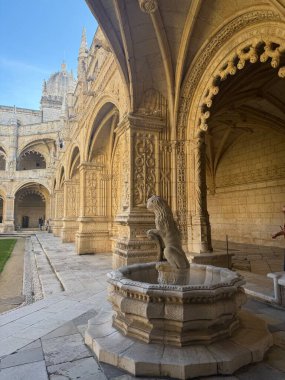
(9, 216)
(70, 213)
(93, 234)
(136, 181)
(58, 212)
(201, 231)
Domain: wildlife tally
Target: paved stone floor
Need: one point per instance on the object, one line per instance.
(44, 340)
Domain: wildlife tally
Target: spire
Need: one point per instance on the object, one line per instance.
(63, 67)
(44, 90)
(83, 46)
(82, 57)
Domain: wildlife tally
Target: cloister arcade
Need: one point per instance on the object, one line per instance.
(219, 164)
(193, 112)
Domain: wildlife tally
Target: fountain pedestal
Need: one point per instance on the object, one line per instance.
(174, 320)
(202, 311)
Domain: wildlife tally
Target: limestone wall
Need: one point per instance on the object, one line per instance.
(51, 114)
(25, 116)
(250, 190)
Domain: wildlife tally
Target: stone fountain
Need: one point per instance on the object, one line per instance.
(175, 319)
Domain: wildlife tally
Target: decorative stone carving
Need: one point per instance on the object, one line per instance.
(91, 199)
(126, 172)
(166, 233)
(181, 189)
(196, 71)
(153, 103)
(72, 200)
(193, 95)
(200, 175)
(117, 177)
(59, 204)
(148, 6)
(144, 169)
(272, 50)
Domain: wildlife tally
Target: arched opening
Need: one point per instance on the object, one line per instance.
(101, 144)
(61, 178)
(245, 145)
(2, 159)
(31, 206)
(30, 160)
(74, 163)
(97, 183)
(71, 198)
(58, 201)
(102, 125)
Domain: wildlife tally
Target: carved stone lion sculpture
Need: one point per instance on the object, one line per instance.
(166, 233)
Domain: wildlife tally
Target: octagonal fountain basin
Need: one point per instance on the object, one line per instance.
(202, 311)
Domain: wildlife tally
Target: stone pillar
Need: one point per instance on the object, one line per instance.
(52, 212)
(201, 230)
(137, 179)
(58, 212)
(13, 145)
(9, 213)
(70, 211)
(93, 235)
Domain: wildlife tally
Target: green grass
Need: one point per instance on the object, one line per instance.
(6, 248)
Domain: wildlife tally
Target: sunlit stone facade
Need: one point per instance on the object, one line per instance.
(183, 99)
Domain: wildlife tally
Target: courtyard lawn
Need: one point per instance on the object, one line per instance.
(6, 248)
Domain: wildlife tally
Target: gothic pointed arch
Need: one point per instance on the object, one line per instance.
(62, 177)
(36, 154)
(233, 95)
(105, 112)
(73, 161)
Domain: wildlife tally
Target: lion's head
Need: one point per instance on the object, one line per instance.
(163, 214)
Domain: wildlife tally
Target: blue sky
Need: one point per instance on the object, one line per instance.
(35, 37)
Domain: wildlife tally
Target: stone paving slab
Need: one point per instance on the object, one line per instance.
(30, 371)
(64, 348)
(86, 368)
(22, 357)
